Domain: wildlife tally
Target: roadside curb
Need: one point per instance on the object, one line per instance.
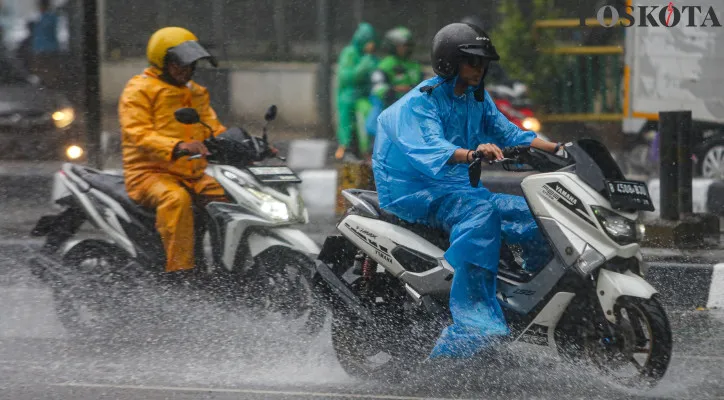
(688, 286)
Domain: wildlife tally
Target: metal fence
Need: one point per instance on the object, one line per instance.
(591, 87)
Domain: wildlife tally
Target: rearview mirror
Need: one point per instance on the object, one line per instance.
(187, 116)
(271, 113)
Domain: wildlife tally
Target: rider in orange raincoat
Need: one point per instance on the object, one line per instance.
(155, 176)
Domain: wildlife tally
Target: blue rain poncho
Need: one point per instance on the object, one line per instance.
(416, 137)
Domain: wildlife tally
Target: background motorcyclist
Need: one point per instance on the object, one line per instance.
(356, 64)
(423, 146)
(155, 176)
(396, 73)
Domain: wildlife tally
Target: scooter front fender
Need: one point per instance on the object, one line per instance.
(286, 237)
(612, 285)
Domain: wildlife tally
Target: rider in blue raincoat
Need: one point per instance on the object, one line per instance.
(424, 144)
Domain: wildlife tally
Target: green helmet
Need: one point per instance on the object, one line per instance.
(396, 37)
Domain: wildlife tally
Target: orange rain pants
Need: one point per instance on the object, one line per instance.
(172, 199)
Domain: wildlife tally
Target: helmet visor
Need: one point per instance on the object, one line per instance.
(189, 52)
(485, 51)
(476, 61)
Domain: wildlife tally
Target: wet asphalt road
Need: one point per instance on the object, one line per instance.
(182, 345)
(177, 345)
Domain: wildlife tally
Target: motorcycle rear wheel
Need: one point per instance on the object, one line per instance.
(389, 348)
(88, 303)
(360, 352)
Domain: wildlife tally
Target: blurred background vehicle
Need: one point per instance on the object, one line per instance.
(35, 122)
(674, 69)
(512, 99)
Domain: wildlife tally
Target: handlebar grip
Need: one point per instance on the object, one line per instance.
(512, 152)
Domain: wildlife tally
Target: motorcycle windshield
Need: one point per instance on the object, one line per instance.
(594, 164)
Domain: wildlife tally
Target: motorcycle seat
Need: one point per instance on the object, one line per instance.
(114, 186)
(437, 237)
(508, 267)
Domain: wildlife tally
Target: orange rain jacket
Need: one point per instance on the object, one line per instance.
(150, 131)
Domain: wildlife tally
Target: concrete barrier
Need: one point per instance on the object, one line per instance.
(715, 198)
(319, 190)
(703, 196)
(308, 154)
(251, 88)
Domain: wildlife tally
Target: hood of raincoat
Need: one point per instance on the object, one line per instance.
(364, 34)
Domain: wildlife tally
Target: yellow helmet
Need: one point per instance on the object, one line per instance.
(180, 42)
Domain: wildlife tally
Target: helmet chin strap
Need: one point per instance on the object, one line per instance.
(479, 92)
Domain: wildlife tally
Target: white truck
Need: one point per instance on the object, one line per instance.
(677, 68)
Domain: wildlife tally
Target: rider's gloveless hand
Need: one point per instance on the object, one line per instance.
(490, 151)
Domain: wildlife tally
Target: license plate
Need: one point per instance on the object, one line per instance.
(274, 174)
(629, 195)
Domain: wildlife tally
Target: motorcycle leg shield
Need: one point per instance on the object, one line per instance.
(519, 227)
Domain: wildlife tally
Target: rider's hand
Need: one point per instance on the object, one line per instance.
(490, 151)
(194, 147)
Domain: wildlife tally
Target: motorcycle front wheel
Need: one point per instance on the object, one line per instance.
(638, 352)
(280, 282)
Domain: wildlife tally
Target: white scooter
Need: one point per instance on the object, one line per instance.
(254, 252)
(389, 282)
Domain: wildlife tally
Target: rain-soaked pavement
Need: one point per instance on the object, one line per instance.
(172, 344)
(178, 345)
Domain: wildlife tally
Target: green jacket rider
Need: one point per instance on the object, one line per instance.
(396, 74)
(356, 64)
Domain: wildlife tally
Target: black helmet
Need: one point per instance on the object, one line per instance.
(456, 41)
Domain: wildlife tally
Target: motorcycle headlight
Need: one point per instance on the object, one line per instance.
(619, 228)
(74, 152)
(64, 117)
(273, 208)
(531, 124)
(589, 260)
